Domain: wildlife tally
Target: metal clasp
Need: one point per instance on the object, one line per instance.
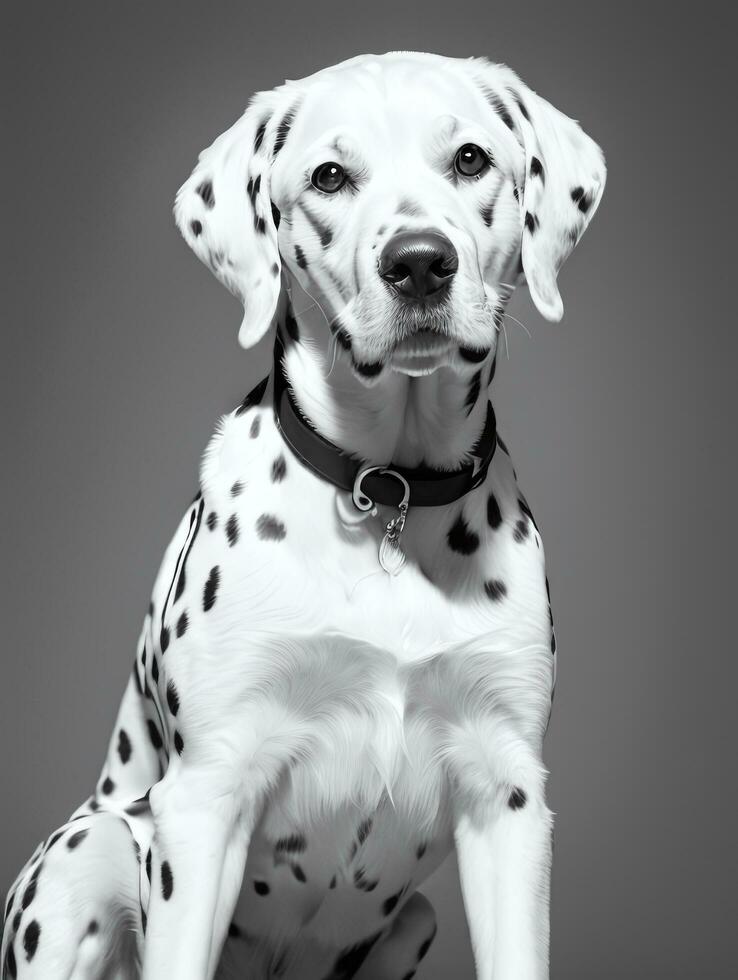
(364, 502)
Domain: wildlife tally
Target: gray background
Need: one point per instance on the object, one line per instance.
(119, 352)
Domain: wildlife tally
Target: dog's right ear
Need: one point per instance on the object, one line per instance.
(225, 214)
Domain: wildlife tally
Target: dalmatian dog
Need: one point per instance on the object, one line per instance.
(347, 664)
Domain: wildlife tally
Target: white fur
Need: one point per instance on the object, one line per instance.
(315, 694)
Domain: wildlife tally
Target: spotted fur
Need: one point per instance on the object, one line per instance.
(303, 738)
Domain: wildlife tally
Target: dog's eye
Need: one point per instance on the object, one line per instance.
(471, 160)
(329, 177)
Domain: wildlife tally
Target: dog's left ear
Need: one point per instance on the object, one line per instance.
(226, 216)
(562, 186)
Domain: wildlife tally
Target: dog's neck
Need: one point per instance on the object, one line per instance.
(409, 421)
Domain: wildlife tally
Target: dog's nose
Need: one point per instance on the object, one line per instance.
(418, 264)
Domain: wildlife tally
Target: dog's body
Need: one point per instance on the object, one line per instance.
(305, 736)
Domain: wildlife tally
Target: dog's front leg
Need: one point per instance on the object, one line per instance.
(196, 866)
(503, 844)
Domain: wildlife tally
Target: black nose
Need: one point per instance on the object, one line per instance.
(419, 264)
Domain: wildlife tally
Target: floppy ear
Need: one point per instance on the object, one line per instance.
(225, 215)
(562, 185)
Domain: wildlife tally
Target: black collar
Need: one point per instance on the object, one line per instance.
(420, 487)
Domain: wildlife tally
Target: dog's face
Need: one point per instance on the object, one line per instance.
(407, 194)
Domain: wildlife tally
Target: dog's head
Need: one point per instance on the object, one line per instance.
(407, 194)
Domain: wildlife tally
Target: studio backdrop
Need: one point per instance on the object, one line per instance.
(119, 355)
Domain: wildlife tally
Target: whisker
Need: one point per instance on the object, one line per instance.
(515, 319)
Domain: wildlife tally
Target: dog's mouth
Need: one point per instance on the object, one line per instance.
(423, 351)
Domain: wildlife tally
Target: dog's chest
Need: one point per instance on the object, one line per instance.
(298, 641)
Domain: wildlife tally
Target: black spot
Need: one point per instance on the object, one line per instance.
(516, 195)
(517, 799)
(154, 734)
(252, 188)
(283, 129)
(494, 515)
(167, 881)
(143, 921)
(389, 904)
(254, 397)
(30, 892)
(261, 888)
(231, 530)
(30, 939)
(553, 642)
(585, 203)
(92, 928)
(300, 258)
(172, 698)
(520, 104)
(237, 489)
(350, 959)
(495, 589)
(259, 138)
(332, 883)
(233, 931)
(420, 850)
(255, 426)
(577, 193)
(269, 528)
(124, 746)
(473, 355)
(74, 841)
(295, 842)
(321, 230)
(163, 641)
(178, 743)
(473, 393)
(369, 370)
(298, 873)
(181, 582)
(259, 225)
(16, 920)
(536, 168)
(365, 828)
(210, 591)
(10, 965)
(409, 976)
(488, 212)
(522, 530)
(276, 218)
(196, 228)
(523, 504)
(155, 665)
(290, 325)
(205, 190)
(422, 952)
(499, 106)
(461, 539)
(182, 624)
(279, 469)
(148, 864)
(362, 882)
(212, 520)
(108, 786)
(531, 222)
(11, 896)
